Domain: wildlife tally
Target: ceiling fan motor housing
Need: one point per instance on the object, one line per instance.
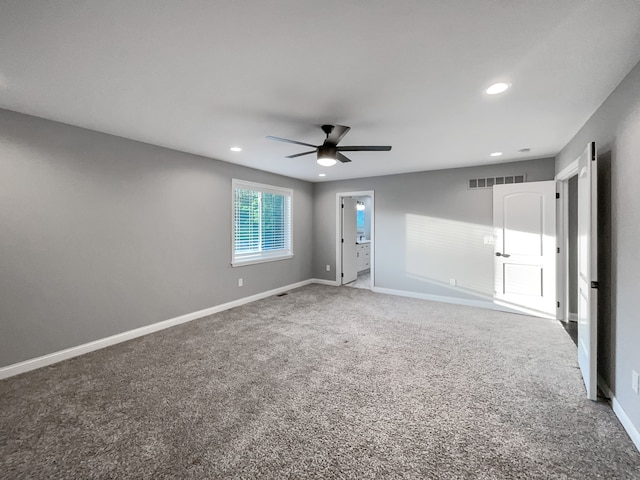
(327, 151)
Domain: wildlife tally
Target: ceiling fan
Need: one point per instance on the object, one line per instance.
(329, 152)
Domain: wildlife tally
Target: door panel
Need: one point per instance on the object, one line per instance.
(349, 234)
(525, 247)
(588, 269)
(523, 280)
(523, 223)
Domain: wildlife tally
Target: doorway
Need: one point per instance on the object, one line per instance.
(355, 239)
(568, 261)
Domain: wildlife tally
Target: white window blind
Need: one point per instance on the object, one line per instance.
(261, 223)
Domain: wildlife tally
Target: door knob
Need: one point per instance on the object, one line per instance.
(498, 254)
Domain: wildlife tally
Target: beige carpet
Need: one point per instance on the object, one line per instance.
(326, 383)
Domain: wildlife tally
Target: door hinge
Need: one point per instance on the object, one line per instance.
(558, 304)
(343, 205)
(342, 275)
(558, 249)
(557, 195)
(594, 285)
(343, 240)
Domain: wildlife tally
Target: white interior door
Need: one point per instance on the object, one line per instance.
(524, 220)
(349, 233)
(588, 269)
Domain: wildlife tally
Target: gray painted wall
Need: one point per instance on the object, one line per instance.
(615, 127)
(100, 235)
(429, 227)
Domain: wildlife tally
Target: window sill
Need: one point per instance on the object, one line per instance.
(253, 261)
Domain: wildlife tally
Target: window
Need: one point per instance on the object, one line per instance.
(360, 219)
(261, 223)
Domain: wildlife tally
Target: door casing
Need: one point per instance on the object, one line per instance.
(563, 178)
(363, 193)
(348, 244)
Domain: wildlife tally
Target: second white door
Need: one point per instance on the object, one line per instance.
(349, 234)
(524, 220)
(588, 269)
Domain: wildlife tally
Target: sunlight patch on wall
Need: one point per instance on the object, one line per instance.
(441, 249)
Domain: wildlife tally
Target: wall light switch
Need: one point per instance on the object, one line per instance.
(488, 240)
(634, 382)
(453, 282)
(328, 268)
(240, 282)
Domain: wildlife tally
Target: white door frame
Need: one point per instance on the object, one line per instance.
(363, 193)
(563, 177)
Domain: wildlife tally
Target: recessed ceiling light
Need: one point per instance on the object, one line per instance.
(497, 88)
(322, 174)
(496, 154)
(235, 149)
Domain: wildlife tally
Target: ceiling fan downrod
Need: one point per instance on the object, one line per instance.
(327, 129)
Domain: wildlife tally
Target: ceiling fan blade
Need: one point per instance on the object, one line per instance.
(341, 158)
(338, 132)
(278, 139)
(370, 148)
(301, 154)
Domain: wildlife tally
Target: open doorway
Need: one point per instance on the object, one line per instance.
(355, 241)
(568, 243)
(570, 322)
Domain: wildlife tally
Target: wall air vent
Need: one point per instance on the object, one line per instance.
(489, 182)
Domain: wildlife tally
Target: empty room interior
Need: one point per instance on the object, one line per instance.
(190, 190)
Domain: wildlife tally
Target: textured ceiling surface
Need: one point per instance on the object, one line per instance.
(204, 76)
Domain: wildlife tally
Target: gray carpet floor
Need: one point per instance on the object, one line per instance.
(326, 383)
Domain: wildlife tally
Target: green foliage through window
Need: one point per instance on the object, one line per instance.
(261, 223)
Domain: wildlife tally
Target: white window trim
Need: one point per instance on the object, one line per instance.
(261, 257)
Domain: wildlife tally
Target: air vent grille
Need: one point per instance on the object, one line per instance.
(489, 182)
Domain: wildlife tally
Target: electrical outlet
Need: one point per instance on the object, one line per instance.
(635, 381)
(240, 282)
(488, 240)
(453, 282)
(328, 268)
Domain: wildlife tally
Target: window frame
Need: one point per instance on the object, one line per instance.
(269, 255)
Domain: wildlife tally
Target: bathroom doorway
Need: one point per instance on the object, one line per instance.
(355, 243)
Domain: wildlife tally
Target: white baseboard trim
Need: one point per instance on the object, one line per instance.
(320, 281)
(481, 303)
(437, 298)
(55, 357)
(633, 432)
(626, 422)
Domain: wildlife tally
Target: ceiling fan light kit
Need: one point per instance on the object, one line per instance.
(326, 161)
(329, 153)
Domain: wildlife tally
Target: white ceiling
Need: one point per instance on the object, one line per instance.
(202, 76)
